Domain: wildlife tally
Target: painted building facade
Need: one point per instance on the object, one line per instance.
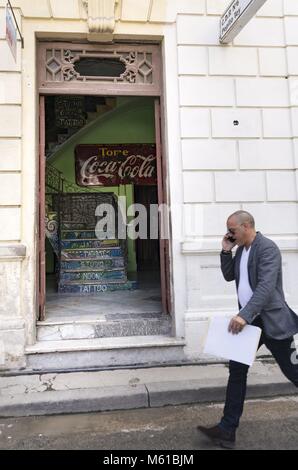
(230, 141)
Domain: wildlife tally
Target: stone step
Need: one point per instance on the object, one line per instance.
(108, 326)
(81, 276)
(101, 253)
(88, 288)
(104, 352)
(92, 265)
(87, 244)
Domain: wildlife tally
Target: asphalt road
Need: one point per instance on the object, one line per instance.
(266, 424)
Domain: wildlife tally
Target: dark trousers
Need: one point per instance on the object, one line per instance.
(284, 354)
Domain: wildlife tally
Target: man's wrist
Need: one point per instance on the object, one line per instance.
(226, 252)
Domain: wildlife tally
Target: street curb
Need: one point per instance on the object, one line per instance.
(131, 397)
(75, 401)
(177, 393)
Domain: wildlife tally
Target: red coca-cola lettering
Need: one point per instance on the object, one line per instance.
(130, 163)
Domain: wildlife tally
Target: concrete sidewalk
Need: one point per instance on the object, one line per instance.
(81, 392)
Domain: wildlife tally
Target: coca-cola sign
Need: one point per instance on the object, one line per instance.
(114, 164)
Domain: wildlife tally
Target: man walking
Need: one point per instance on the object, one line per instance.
(257, 270)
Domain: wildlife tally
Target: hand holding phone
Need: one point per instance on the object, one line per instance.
(228, 242)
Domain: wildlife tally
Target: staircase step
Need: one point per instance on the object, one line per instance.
(114, 325)
(92, 116)
(83, 243)
(110, 281)
(103, 352)
(102, 108)
(95, 288)
(78, 234)
(92, 265)
(101, 253)
(70, 225)
(90, 276)
(61, 138)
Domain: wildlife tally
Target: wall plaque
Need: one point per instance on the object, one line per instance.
(236, 16)
(114, 164)
(70, 111)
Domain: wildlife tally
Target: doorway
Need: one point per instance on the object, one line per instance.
(78, 105)
(85, 272)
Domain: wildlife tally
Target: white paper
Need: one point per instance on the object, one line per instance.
(240, 348)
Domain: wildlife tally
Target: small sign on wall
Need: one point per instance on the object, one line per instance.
(11, 33)
(114, 164)
(236, 16)
(70, 111)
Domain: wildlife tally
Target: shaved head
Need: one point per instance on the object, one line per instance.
(243, 217)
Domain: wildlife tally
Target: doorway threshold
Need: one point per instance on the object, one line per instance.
(65, 307)
(105, 315)
(109, 325)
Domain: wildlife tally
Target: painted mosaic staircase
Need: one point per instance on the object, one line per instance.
(90, 265)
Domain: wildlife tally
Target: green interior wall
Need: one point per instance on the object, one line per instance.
(131, 122)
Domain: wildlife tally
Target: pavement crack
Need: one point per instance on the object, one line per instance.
(148, 396)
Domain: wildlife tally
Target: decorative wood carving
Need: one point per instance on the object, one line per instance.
(139, 65)
(101, 15)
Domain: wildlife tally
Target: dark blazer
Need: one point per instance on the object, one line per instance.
(265, 278)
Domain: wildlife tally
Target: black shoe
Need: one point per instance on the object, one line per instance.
(219, 436)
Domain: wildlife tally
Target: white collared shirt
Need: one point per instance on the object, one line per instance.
(244, 289)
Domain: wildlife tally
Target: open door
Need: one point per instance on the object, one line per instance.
(41, 213)
(163, 222)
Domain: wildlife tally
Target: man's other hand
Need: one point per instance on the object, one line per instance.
(236, 325)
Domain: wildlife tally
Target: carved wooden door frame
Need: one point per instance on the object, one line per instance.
(41, 278)
(141, 76)
(59, 73)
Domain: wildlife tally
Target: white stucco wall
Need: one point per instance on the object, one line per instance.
(214, 166)
(225, 167)
(12, 337)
